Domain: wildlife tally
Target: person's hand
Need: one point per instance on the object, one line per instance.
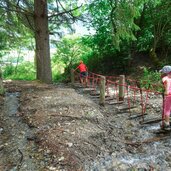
(166, 93)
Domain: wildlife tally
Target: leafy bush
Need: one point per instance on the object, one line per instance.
(153, 76)
(151, 80)
(60, 78)
(24, 71)
(8, 70)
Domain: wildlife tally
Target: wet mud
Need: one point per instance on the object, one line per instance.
(63, 128)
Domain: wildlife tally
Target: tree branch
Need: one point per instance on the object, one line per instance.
(64, 12)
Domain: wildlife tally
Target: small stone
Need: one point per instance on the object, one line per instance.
(1, 129)
(1, 147)
(69, 144)
(48, 151)
(61, 158)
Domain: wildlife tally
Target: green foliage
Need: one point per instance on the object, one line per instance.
(57, 71)
(8, 71)
(151, 80)
(153, 76)
(115, 19)
(155, 30)
(61, 78)
(104, 58)
(24, 71)
(14, 22)
(123, 28)
(134, 27)
(70, 50)
(2, 91)
(145, 40)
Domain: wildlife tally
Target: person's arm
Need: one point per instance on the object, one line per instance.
(165, 87)
(86, 69)
(76, 68)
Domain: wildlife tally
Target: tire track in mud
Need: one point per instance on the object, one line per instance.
(18, 153)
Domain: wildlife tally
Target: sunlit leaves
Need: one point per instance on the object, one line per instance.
(116, 18)
(70, 50)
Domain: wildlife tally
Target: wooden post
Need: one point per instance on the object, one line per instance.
(72, 76)
(121, 87)
(102, 90)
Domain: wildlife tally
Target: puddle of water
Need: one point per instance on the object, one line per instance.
(152, 127)
(153, 154)
(11, 103)
(137, 159)
(125, 161)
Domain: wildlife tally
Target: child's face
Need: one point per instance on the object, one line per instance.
(163, 75)
(169, 74)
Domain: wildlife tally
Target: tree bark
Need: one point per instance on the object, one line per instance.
(43, 63)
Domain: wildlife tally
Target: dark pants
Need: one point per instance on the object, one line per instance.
(84, 74)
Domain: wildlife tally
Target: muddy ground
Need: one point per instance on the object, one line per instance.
(63, 128)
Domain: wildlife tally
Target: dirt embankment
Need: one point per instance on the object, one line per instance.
(57, 127)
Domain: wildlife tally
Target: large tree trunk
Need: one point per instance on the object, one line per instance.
(43, 64)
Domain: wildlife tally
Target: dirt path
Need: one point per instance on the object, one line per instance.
(58, 127)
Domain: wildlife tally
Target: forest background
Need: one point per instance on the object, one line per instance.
(131, 37)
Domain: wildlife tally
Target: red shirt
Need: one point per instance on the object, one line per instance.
(82, 67)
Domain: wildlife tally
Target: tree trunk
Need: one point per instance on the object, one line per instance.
(43, 63)
(154, 58)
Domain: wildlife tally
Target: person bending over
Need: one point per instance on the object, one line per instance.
(83, 73)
